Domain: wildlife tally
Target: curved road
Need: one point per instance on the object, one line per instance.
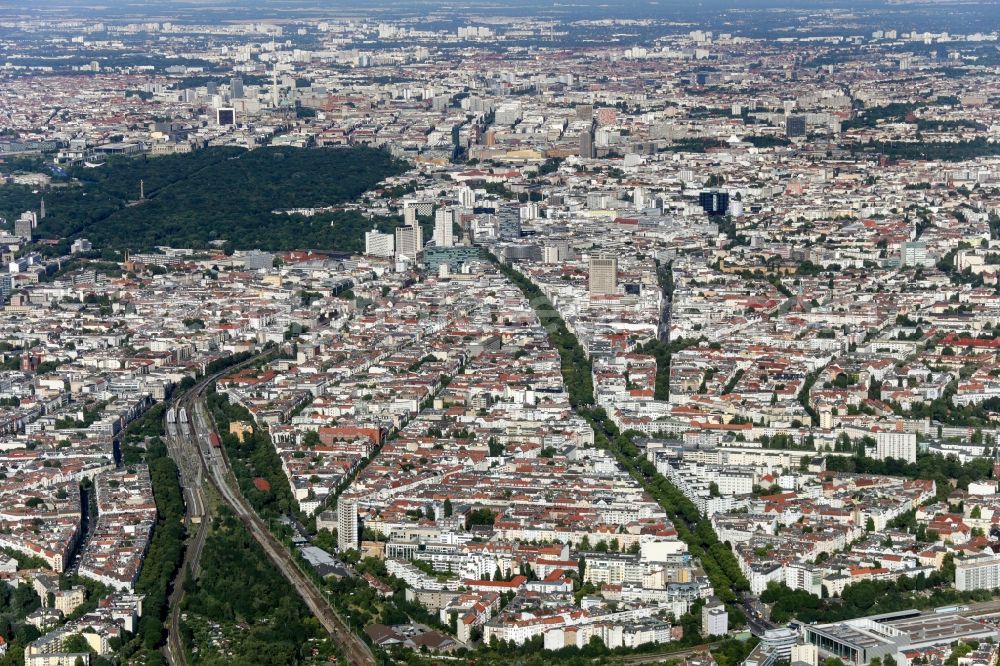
(196, 439)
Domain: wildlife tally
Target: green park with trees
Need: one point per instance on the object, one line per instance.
(241, 610)
(242, 189)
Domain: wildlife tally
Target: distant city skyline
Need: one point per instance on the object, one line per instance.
(487, 333)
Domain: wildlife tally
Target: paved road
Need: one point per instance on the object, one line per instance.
(756, 625)
(218, 473)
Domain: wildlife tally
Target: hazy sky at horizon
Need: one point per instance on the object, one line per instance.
(755, 17)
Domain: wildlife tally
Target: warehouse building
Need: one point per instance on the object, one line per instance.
(862, 639)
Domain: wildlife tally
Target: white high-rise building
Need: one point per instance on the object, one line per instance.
(378, 244)
(979, 572)
(603, 276)
(550, 254)
(467, 197)
(898, 445)
(409, 241)
(410, 216)
(714, 618)
(639, 198)
(444, 235)
(347, 525)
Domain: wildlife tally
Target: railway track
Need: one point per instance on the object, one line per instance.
(664, 655)
(195, 440)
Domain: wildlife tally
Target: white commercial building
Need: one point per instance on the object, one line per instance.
(603, 276)
(378, 244)
(444, 235)
(409, 241)
(467, 197)
(898, 445)
(979, 572)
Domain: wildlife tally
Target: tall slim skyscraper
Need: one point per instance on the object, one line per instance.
(274, 76)
(236, 88)
(509, 222)
(639, 198)
(409, 241)
(467, 197)
(444, 235)
(603, 279)
(587, 142)
(714, 202)
(410, 216)
(347, 525)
